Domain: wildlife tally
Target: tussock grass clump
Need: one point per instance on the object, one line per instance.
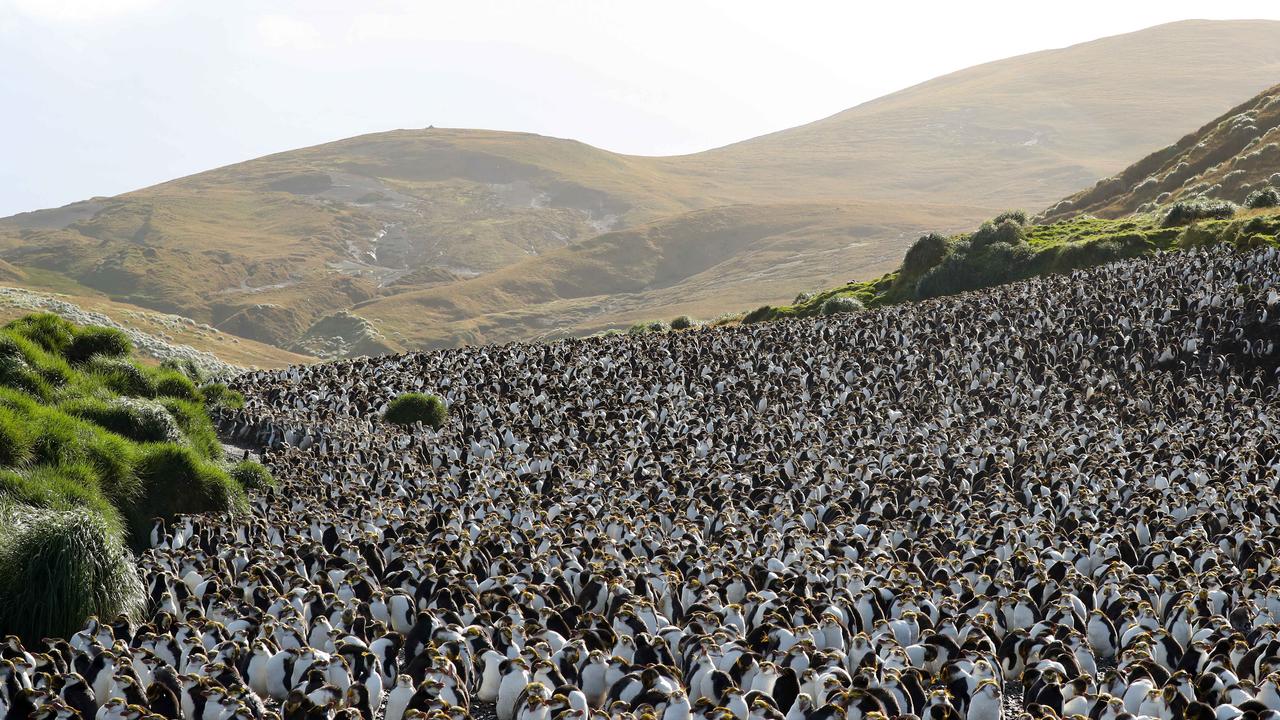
(683, 322)
(1189, 211)
(1267, 197)
(760, 314)
(121, 376)
(58, 567)
(217, 396)
(841, 304)
(16, 440)
(187, 367)
(252, 476)
(924, 254)
(417, 407)
(52, 333)
(134, 418)
(59, 487)
(170, 383)
(89, 435)
(197, 429)
(105, 341)
(175, 480)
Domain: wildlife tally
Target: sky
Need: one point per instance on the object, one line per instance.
(98, 97)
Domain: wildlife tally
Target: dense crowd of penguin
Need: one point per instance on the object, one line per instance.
(1063, 489)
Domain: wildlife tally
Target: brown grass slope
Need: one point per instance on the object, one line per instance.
(1229, 158)
(1023, 131)
(272, 247)
(701, 263)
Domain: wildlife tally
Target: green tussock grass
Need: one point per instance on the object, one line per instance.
(94, 446)
(60, 566)
(417, 407)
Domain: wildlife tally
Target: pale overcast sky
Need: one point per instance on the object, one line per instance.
(98, 97)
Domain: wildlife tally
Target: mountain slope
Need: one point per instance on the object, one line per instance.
(701, 263)
(1232, 156)
(275, 248)
(1009, 132)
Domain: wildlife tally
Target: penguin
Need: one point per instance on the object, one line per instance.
(399, 697)
(986, 702)
(515, 679)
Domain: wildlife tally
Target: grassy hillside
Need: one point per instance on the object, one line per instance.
(701, 263)
(274, 248)
(1231, 158)
(93, 447)
(1007, 248)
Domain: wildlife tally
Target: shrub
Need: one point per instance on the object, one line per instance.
(417, 407)
(1267, 197)
(802, 298)
(104, 341)
(841, 304)
(252, 476)
(217, 396)
(1188, 211)
(51, 332)
(638, 329)
(175, 480)
(924, 254)
(684, 322)
(59, 567)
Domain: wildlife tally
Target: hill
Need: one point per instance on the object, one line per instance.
(719, 258)
(1005, 133)
(1184, 196)
(1227, 159)
(274, 249)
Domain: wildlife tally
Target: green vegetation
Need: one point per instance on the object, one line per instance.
(1005, 250)
(93, 447)
(1267, 197)
(1188, 211)
(417, 407)
(683, 322)
(841, 304)
(57, 567)
(252, 476)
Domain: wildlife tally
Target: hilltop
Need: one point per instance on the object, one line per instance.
(384, 225)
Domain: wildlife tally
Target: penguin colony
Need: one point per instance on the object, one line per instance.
(1064, 488)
